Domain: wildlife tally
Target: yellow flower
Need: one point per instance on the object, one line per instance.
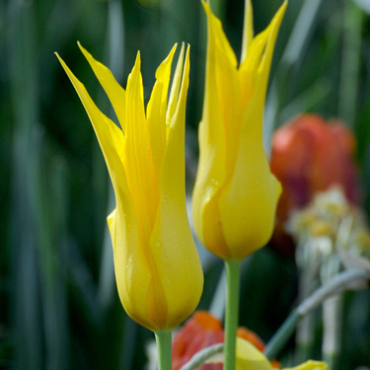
(235, 194)
(248, 357)
(158, 272)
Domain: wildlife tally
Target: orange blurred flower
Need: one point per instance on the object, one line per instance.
(203, 330)
(309, 155)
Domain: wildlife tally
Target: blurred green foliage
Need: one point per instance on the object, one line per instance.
(58, 305)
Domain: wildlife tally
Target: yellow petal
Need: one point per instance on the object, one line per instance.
(133, 275)
(249, 200)
(255, 69)
(222, 85)
(115, 92)
(110, 137)
(235, 194)
(248, 357)
(157, 110)
(275, 26)
(138, 159)
(247, 28)
(171, 243)
(222, 42)
(143, 184)
(217, 136)
(256, 49)
(310, 365)
(248, 75)
(264, 64)
(248, 204)
(175, 89)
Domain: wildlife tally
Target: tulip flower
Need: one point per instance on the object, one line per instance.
(157, 268)
(235, 194)
(300, 159)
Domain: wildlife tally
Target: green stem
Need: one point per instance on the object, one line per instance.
(202, 356)
(232, 311)
(281, 337)
(164, 344)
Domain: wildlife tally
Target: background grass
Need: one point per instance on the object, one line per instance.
(58, 303)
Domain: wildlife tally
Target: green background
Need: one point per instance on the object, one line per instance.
(58, 303)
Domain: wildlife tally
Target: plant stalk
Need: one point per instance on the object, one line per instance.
(164, 344)
(232, 311)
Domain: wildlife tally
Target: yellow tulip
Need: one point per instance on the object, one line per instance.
(235, 194)
(248, 357)
(157, 267)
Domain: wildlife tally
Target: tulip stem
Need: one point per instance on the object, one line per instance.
(232, 311)
(164, 344)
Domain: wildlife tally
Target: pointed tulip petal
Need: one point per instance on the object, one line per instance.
(219, 35)
(179, 266)
(275, 26)
(138, 154)
(264, 62)
(175, 89)
(157, 110)
(110, 137)
(115, 92)
(247, 29)
(310, 365)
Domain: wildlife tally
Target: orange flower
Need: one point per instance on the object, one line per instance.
(200, 331)
(309, 155)
(203, 330)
